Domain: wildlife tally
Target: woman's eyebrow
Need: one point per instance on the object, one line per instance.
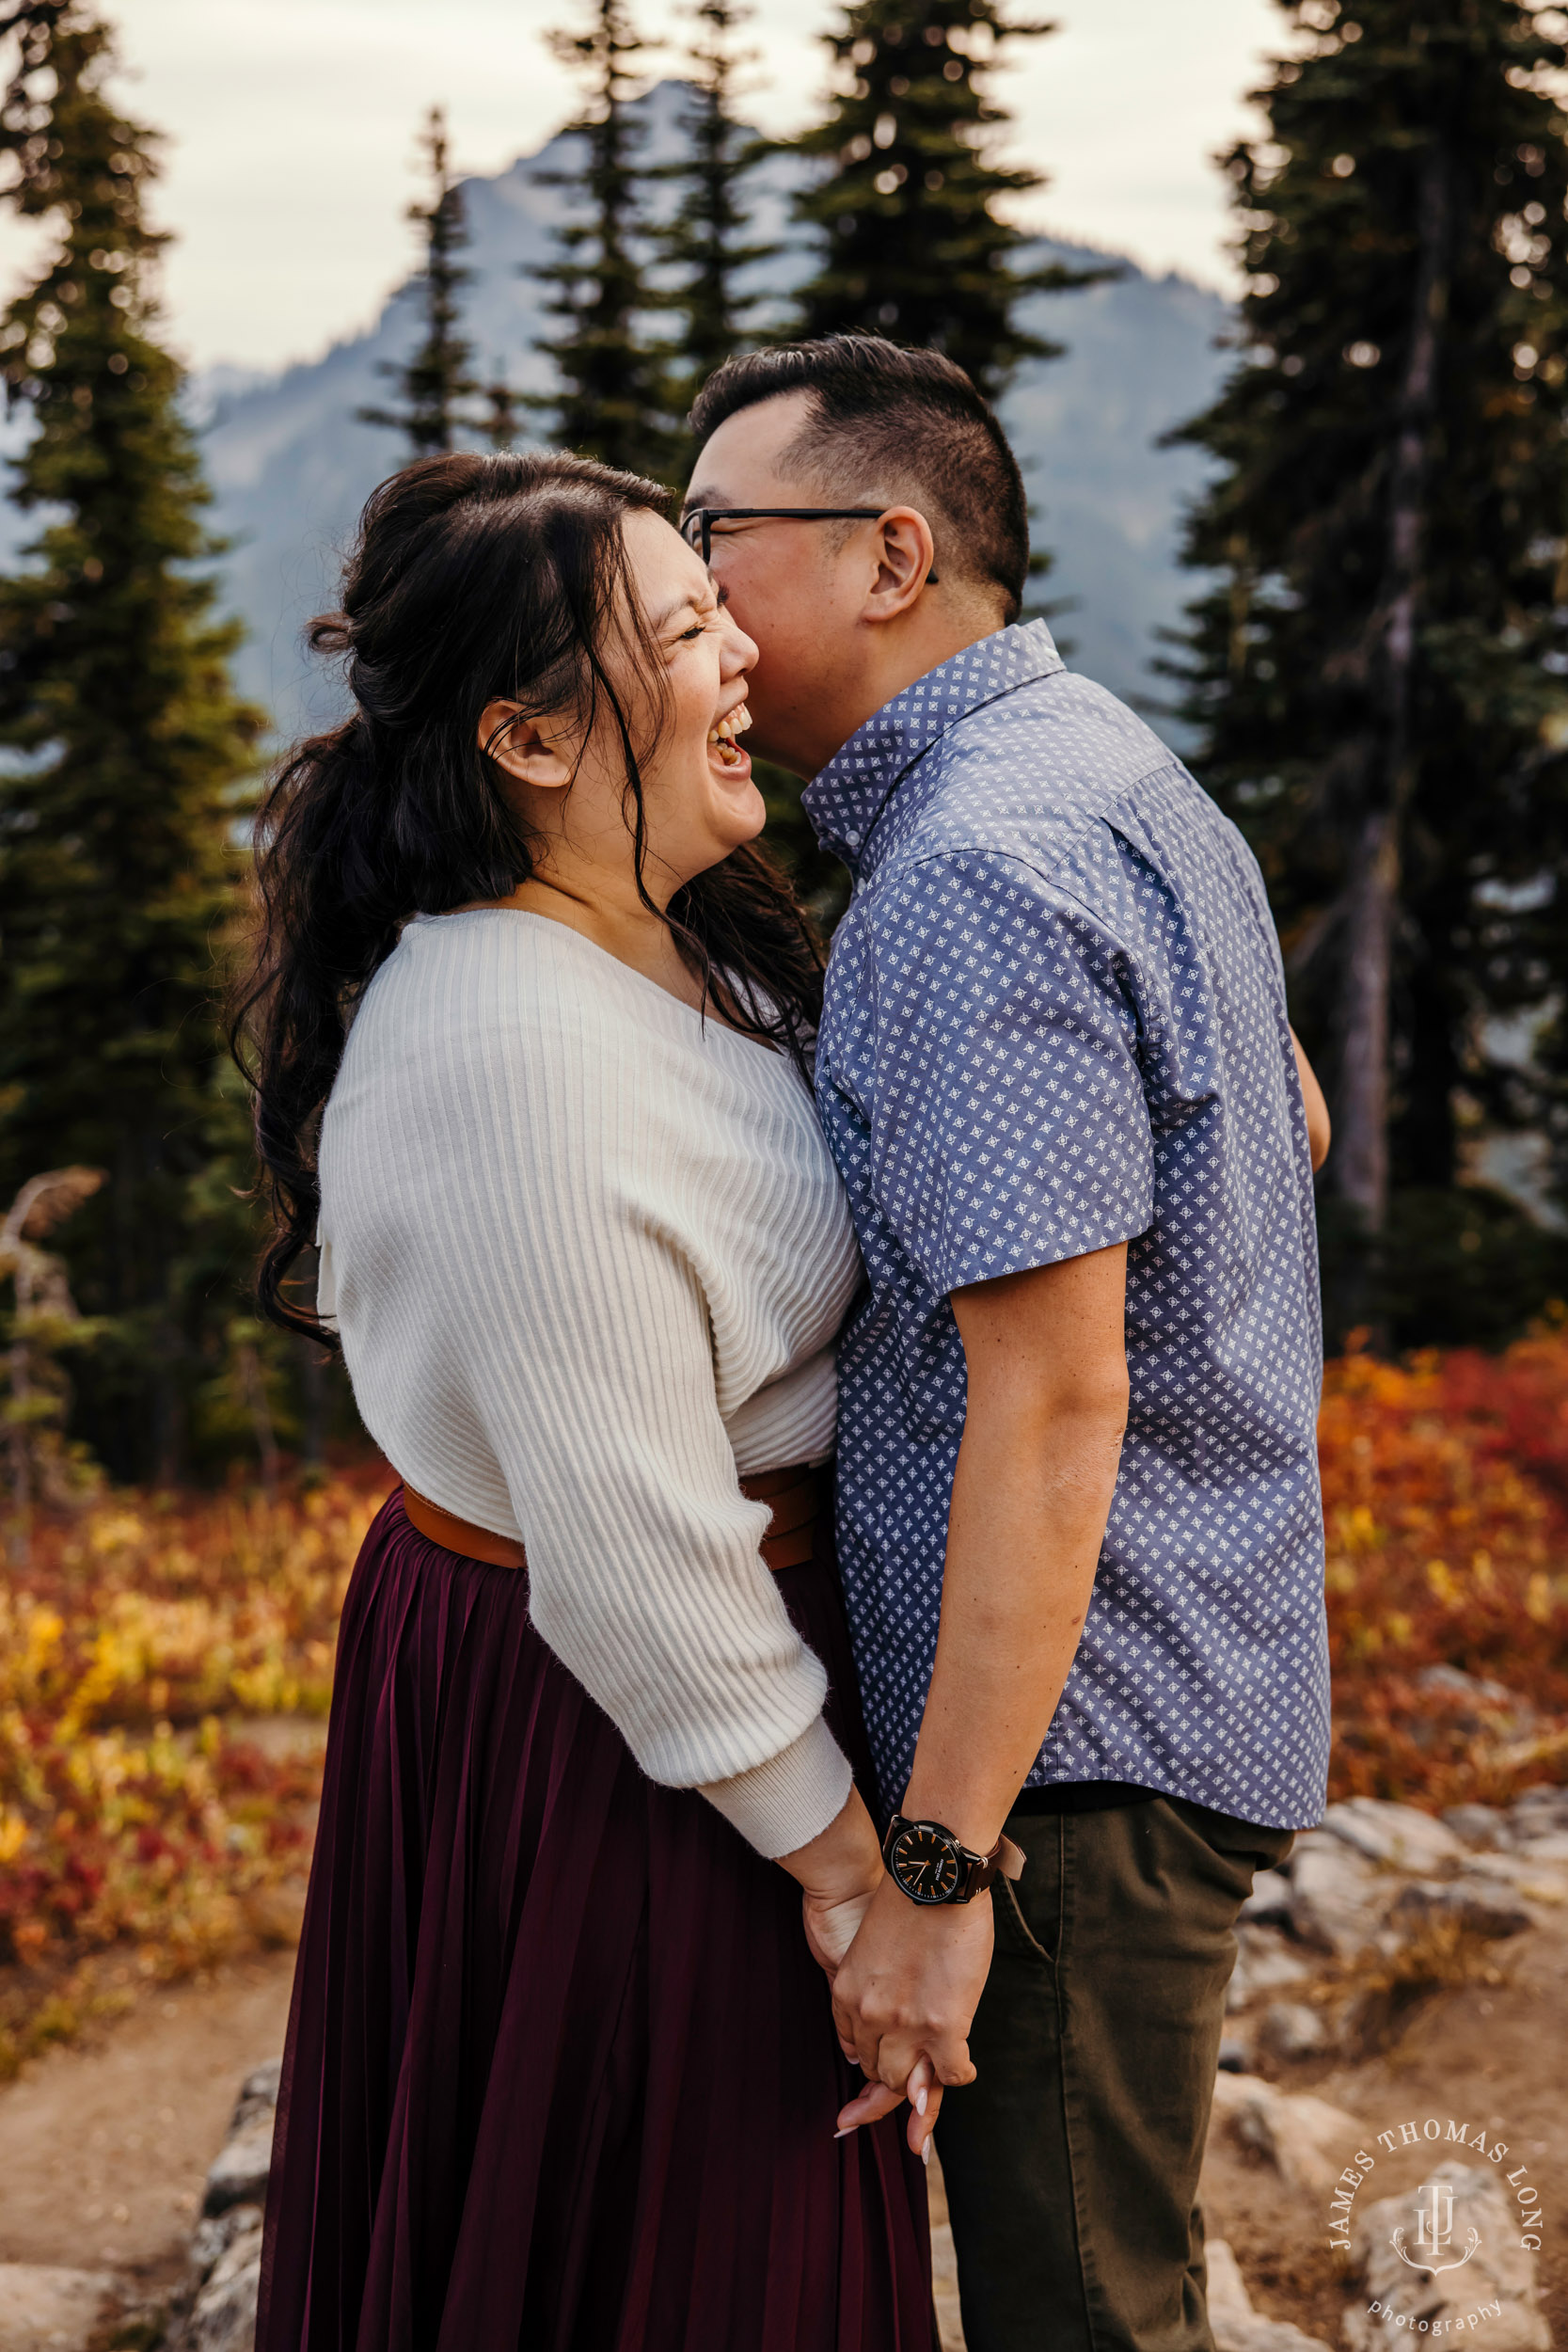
(682, 604)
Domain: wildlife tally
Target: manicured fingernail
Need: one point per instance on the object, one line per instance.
(844, 2133)
(920, 2098)
(926, 2149)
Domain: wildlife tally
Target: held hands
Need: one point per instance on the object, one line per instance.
(904, 1999)
(906, 1979)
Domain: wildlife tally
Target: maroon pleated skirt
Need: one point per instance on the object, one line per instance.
(560, 2073)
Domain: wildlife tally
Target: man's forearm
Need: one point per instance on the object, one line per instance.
(1035, 1475)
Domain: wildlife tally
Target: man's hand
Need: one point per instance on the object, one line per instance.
(908, 1991)
(1047, 1364)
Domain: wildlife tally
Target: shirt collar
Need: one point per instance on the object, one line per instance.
(846, 799)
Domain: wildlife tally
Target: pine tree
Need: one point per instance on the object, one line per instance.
(125, 756)
(707, 239)
(614, 401)
(1377, 673)
(437, 381)
(911, 245)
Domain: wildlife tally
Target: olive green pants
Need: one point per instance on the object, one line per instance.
(1071, 2164)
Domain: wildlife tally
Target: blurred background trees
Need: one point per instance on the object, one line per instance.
(1372, 682)
(126, 771)
(1375, 669)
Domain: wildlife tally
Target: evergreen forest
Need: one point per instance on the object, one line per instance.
(1372, 679)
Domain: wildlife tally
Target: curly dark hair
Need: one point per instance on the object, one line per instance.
(473, 580)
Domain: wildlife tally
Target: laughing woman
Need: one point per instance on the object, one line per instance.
(529, 1022)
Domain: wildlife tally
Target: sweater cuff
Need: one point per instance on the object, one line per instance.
(785, 1802)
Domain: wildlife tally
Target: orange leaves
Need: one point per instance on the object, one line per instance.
(1446, 1501)
(137, 1801)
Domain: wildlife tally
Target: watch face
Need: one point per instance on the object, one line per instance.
(924, 1859)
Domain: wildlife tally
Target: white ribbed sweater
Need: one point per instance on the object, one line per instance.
(588, 1256)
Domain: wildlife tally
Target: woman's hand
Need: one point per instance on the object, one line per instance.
(839, 1873)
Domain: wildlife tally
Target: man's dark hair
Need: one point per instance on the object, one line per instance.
(883, 416)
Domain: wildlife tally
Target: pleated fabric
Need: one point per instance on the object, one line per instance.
(561, 2073)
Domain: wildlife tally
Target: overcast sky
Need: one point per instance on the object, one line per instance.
(291, 128)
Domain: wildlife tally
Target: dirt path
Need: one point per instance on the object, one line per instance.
(1492, 2056)
(105, 2146)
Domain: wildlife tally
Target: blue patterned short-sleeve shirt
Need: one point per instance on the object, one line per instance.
(1056, 1021)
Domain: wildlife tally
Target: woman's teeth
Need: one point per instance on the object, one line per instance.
(722, 736)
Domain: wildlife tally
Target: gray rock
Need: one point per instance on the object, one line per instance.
(1307, 2141)
(1482, 1906)
(1481, 2263)
(223, 2319)
(1396, 1835)
(1269, 1903)
(1482, 1825)
(1539, 1813)
(238, 2173)
(1237, 2327)
(1235, 2056)
(1487, 1705)
(213, 2236)
(47, 2308)
(262, 2082)
(1265, 1962)
(1290, 2030)
(1338, 1897)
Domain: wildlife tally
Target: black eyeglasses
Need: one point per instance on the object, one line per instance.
(697, 527)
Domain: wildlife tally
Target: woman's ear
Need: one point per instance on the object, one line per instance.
(514, 743)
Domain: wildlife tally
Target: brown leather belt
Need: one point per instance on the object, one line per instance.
(798, 1498)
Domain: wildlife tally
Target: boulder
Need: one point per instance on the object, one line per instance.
(1307, 2141)
(215, 2308)
(238, 2173)
(1237, 2327)
(1265, 1962)
(1480, 1825)
(1484, 2279)
(1338, 1897)
(1290, 2030)
(1481, 1905)
(1530, 1871)
(223, 2317)
(1484, 1705)
(1396, 1835)
(1269, 1903)
(1539, 1813)
(44, 2308)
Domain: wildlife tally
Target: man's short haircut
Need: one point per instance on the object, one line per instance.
(884, 416)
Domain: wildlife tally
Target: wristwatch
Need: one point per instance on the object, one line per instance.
(927, 1864)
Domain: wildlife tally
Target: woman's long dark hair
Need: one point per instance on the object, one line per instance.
(474, 580)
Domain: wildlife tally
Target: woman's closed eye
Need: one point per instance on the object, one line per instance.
(708, 617)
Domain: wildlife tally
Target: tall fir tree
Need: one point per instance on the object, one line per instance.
(707, 240)
(911, 244)
(614, 399)
(437, 382)
(125, 759)
(1377, 673)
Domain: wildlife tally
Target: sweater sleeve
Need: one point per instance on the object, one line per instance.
(581, 1332)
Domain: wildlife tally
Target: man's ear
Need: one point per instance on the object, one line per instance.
(517, 743)
(904, 553)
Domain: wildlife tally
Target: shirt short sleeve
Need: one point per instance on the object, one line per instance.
(1009, 1124)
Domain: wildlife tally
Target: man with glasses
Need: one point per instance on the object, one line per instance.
(1079, 1518)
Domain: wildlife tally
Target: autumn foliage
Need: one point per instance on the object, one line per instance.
(144, 1812)
(141, 1655)
(1446, 1495)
